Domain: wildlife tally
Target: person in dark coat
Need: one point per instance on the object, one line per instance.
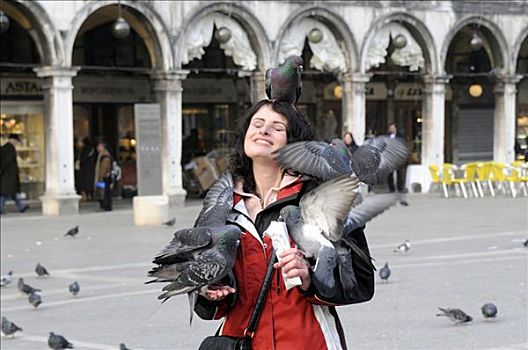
(400, 173)
(103, 180)
(348, 139)
(9, 176)
(87, 158)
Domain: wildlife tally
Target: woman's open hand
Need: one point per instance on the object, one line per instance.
(216, 293)
(293, 264)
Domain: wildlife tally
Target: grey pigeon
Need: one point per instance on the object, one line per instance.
(74, 288)
(58, 342)
(6, 279)
(217, 203)
(370, 162)
(489, 310)
(35, 300)
(122, 346)
(455, 315)
(317, 222)
(525, 243)
(385, 273)
(403, 248)
(9, 328)
(26, 288)
(72, 232)
(284, 83)
(41, 270)
(369, 208)
(171, 222)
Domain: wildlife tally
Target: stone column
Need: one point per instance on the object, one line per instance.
(168, 87)
(504, 119)
(433, 123)
(258, 86)
(59, 197)
(354, 104)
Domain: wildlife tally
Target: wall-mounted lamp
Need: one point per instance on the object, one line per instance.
(338, 91)
(475, 90)
(223, 35)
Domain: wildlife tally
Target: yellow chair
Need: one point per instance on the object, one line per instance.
(522, 169)
(450, 178)
(471, 177)
(436, 175)
(503, 174)
(484, 176)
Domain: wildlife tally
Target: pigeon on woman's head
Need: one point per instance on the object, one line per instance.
(284, 83)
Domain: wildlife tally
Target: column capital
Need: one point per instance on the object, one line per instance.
(508, 79)
(168, 80)
(56, 71)
(170, 74)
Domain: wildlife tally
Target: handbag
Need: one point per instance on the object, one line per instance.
(223, 342)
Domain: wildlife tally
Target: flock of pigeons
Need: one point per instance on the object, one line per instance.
(9, 328)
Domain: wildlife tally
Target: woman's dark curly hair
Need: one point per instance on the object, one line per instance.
(240, 165)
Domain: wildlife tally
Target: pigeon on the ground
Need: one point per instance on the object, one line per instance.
(35, 300)
(171, 222)
(9, 328)
(41, 270)
(489, 310)
(74, 288)
(6, 279)
(371, 162)
(284, 83)
(26, 288)
(455, 315)
(385, 272)
(317, 222)
(525, 243)
(217, 203)
(122, 346)
(73, 231)
(58, 342)
(403, 248)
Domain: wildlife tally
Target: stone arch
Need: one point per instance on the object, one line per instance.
(498, 45)
(516, 49)
(149, 25)
(334, 22)
(420, 33)
(249, 23)
(34, 18)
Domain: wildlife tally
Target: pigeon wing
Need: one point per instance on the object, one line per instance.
(184, 243)
(368, 209)
(328, 204)
(217, 203)
(313, 158)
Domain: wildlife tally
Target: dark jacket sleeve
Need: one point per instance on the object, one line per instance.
(215, 310)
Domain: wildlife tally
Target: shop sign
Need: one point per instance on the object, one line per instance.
(414, 91)
(197, 90)
(376, 91)
(112, 90)
(21, 86)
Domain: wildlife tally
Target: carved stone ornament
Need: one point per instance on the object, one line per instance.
(327, 56)
(409, 55)
(200, 33)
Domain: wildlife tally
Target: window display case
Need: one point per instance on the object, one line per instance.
(30, 151)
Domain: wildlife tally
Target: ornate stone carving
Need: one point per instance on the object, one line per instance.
(200, 33)
(409, 55)
(327, 55)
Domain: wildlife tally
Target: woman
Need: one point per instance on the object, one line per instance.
(103, 179)
(298, 318)
(348, 139)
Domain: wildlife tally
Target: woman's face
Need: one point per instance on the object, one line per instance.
(266, 133)
(347, 139)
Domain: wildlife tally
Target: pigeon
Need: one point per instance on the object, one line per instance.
(9, 328)
(171, 222)
(489, 310)
(58, 342)
(403, 248)
(385, 272)
(74, 288)
(371, 162)
(26, 288)
(35, 300)
(284, 83)
(317, 222)
(368, 209)
(73, 231)
(122, 346)
(6, 279)
(41, 270)
(526, 243)
(456, 315)
(217, 203)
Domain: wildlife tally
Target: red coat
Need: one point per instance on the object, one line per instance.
(290, 319)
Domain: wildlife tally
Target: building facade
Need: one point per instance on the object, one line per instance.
(451, 74)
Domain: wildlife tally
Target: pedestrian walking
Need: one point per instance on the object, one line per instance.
(400, 173)
(103, 179)
(9, 175)
(87, 159)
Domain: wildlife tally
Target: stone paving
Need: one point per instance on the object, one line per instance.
(463, 254)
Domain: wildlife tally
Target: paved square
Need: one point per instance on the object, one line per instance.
(463, 254)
